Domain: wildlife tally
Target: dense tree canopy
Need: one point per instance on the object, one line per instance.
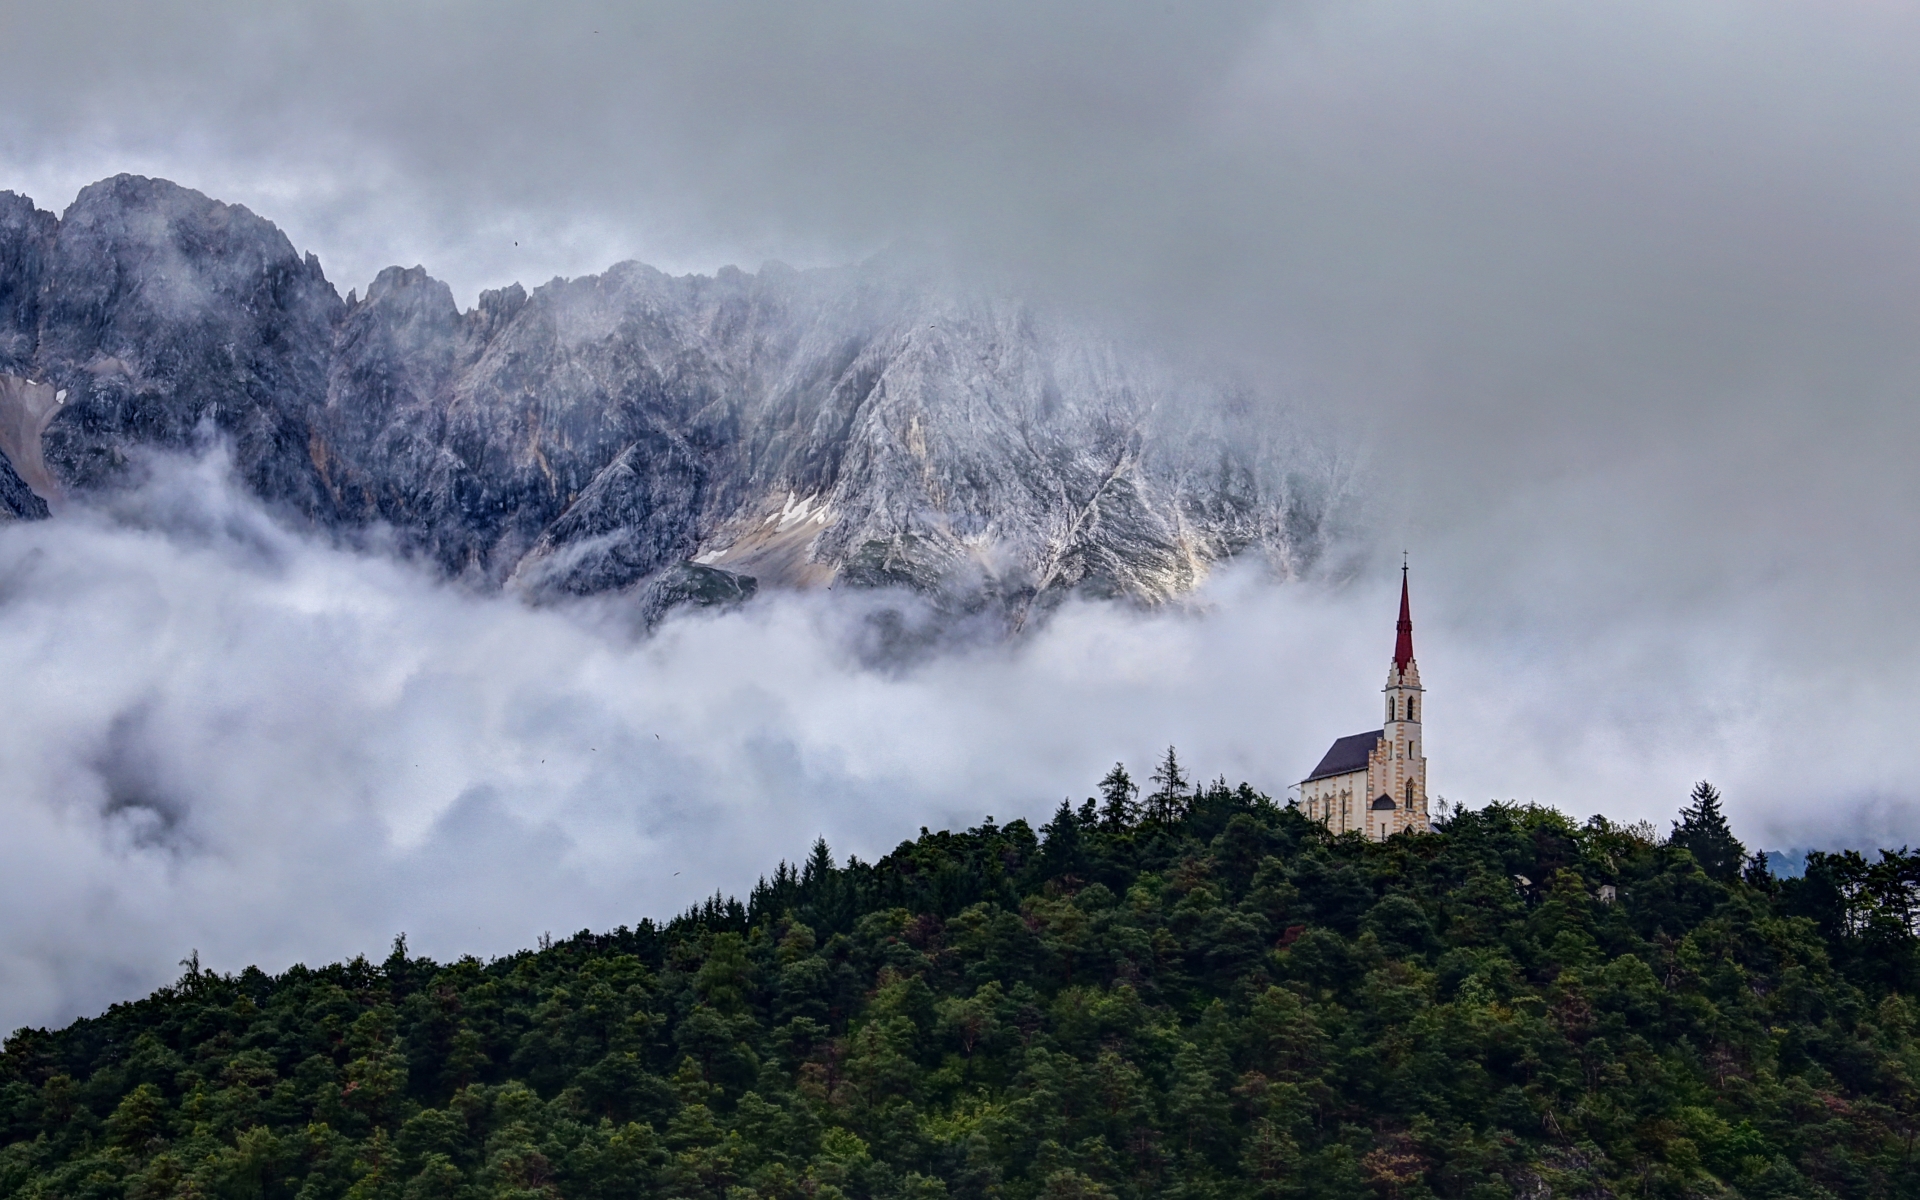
(1210, 997)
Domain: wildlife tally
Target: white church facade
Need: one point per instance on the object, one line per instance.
(1376, 782)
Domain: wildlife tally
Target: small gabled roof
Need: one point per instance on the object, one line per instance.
(1348, 754)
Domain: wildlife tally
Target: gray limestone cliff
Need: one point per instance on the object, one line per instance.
(681, 439)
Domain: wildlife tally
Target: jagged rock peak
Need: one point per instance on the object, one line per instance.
(873, 425)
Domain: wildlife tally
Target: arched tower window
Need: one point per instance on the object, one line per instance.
(1410, 715)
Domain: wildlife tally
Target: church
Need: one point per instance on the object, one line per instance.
(1376, 782)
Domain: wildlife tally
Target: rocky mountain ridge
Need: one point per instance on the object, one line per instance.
(675, 438)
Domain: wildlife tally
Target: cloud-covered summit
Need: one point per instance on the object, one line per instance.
(691, 436)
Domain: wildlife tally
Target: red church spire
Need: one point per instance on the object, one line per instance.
(1403, 644)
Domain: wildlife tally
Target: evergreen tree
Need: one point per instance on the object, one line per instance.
(1117, 793)
(1168, 801)
(1060, 842)
(819, 869)
(1703, 830)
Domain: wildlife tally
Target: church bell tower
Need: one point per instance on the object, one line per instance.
(1397, 770)
(1375, 783)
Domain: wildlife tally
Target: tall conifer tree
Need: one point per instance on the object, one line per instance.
(1703, 829)
(1117, 793)
(1168, 802)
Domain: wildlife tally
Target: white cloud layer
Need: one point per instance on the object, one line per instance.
(228, 737)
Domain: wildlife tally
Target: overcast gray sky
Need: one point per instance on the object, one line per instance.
(1619, 302)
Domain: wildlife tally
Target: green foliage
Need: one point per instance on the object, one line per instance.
(1212, 997)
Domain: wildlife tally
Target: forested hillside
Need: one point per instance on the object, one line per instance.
(1202, 995)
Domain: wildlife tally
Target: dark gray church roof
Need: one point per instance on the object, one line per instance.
(1348, 754)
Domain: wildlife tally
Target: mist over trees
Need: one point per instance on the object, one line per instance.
(1207, 996)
